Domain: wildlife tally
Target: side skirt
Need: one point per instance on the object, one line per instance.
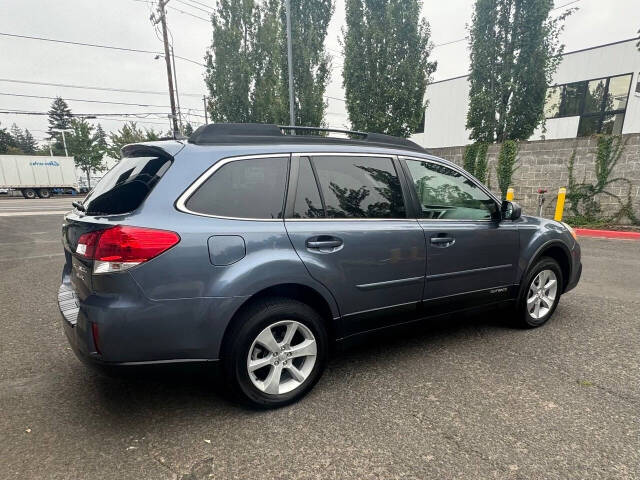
(375, 320)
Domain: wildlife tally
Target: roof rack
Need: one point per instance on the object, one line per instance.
(233, 133)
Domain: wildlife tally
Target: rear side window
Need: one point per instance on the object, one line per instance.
(126, 185)
(252, 188)
(359, 187)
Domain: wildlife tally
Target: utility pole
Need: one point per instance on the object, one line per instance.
(175, 81)
(292, 116)
(64, 139)
(204, 101)
(163, 21)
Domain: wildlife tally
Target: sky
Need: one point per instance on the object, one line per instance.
(126, 24)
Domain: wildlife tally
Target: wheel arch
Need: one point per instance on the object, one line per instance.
(557, 250)
(295, 291)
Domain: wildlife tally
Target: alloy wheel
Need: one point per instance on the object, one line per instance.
(542, 294)
(282, 357)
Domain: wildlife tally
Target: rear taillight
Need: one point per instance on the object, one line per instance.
(121, 247)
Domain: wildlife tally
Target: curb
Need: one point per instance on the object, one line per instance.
(588, 232)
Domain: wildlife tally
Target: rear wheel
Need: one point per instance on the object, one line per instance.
(29, 193)
(276, 353)
(540, 293)
(44, 193)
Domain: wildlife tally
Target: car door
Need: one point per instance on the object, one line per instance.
(347, 220)
(472, 253)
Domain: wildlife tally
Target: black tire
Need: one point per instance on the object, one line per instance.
(44, 193)
(526, 319)
(247, 326)
(29, 193)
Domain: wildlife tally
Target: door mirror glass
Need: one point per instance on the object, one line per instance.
(510, 210)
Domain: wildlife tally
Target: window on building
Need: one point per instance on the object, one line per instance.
(252, 188)
(447, 194)
(601, 103)
(359, 187)
(571, 99)
(552, 105)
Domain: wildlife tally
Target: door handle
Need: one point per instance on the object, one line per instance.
(324, 243)
(443, 241)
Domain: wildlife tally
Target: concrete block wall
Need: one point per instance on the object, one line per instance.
(544, 164)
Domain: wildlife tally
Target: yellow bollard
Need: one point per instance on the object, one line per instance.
(560, 204)
(510, 194)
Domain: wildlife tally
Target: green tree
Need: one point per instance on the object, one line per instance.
(100, 139)
(6, 141)
(28, 144)
(514, 53)
(129, 133)
(188, 129)
(230, 71)
(82, 144)
(59, 118)
(309, 23)
(386, 65)
(18, 137)
(506, 165)
(268, 102)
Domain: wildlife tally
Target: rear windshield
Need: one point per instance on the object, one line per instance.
(126, 185)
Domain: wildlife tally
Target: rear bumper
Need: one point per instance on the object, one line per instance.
(134, 330)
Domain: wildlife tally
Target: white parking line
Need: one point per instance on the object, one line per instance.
(50, 255)
(41, 212)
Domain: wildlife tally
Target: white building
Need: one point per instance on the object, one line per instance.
(596, 90)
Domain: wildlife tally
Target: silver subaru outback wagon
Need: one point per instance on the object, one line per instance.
(258, 248)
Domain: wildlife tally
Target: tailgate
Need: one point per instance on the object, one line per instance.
(77, 269)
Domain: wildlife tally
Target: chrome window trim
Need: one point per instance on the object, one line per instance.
(184, 197)
(455, 168)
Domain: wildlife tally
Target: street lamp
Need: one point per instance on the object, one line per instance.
(64, 140)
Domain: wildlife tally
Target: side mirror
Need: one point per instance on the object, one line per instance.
(510, 210)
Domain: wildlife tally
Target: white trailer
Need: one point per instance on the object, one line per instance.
(37, 176)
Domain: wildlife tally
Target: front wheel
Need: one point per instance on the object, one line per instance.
(277, 352)
(541, 292)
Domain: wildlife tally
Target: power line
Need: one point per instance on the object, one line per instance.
(203, 4)
(87, 87)
(90, 101)
(467, 37)
(103, 114)
(177, 10)
(95, 45)
(99, 116)
(565, 5)
(208, 12)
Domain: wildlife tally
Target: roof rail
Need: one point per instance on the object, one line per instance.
(221, 133)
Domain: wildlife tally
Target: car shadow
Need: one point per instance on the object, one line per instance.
(200, 390)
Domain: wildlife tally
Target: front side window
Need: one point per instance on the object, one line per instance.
(446, 194)
(359, 187)
(251, 188)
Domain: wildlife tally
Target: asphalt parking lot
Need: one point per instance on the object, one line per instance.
(468, 397)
